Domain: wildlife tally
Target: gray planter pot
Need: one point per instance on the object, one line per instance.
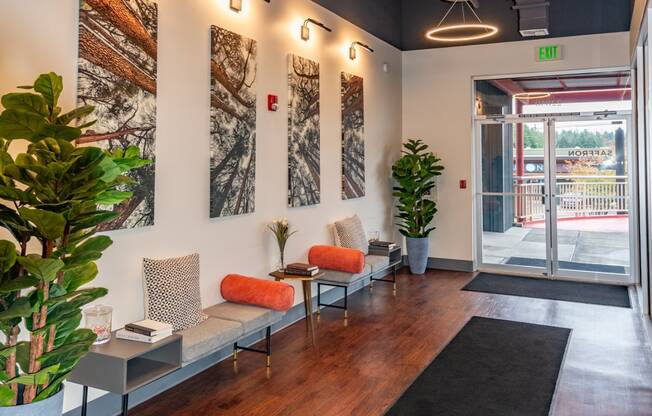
(417, 251)
(52, 406)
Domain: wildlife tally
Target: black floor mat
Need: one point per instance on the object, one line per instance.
(597, 294)
(491, 368)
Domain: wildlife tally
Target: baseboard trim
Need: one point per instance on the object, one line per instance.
(446, 264)
(110, 404)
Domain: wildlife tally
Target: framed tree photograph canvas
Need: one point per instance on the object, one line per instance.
(117, 75)
(233, 124)
(353, 170)
(303, 132)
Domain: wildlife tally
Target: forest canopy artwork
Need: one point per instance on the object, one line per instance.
(117, 75)
(353, 176)
(233, 124)
(303, 132)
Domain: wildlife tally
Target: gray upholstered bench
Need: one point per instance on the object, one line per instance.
(227, 323)
(374, 266)
(172, 295)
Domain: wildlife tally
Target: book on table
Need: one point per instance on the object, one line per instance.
(149, 327)
(383, 244)
(302, 266)
(300, 272)
(133, 336)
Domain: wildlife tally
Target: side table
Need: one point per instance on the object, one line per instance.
(306, 282)
(121, 366)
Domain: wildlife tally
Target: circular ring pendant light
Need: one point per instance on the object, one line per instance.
(535, 95)
(470, 31)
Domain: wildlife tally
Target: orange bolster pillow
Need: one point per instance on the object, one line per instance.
(337, 258)
(258, 292)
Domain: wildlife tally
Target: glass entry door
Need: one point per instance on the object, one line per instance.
(555, 196)
(591, 200)
(513, 200)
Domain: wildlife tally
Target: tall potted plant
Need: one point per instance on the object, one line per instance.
(52, 194)
(415, 173)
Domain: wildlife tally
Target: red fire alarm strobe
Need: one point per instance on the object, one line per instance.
(462, 183)
(272, 102)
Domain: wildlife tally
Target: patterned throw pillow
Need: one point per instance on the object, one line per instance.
(172, 291)
(352, 235)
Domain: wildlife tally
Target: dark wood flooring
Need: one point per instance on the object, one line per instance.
(362, 368)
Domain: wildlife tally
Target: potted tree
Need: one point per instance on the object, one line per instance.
(52, 194)
(415, 174)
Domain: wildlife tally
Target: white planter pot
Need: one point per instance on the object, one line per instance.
(52, 406)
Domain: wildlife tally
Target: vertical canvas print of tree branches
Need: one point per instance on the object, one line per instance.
(117, 75)
(303, 132)
(233, 123)
(353, 177)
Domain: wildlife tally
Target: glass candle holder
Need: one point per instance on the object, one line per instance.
(98, 320)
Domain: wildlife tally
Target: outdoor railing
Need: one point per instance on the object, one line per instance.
(576, 196)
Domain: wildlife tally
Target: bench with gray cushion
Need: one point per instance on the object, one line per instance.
(374, 269)
(172, 295)
(226, 324)
(350, 233)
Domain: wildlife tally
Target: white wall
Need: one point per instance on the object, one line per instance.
(38, 36)
(437, 107)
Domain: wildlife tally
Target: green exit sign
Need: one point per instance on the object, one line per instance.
(549, 53)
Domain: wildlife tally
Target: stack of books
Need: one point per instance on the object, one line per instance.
(301, 269)
(148, 331)
(383, 245)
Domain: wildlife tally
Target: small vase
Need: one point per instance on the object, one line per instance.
(281, 263)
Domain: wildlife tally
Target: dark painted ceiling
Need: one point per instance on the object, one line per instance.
(403, 23)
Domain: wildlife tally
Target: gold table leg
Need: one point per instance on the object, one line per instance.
(307, 301)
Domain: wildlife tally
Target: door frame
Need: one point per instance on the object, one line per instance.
(550, 271)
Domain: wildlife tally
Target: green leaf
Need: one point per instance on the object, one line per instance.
(77, 113)
(40, 377)
(94, 219)
(14, 194)
(52, 388)
(111, 170)
(18, 283)
(20, 125)
(98, 243)
(49, 86)
(112, 197)
(51, 225)
(6, 396)
(21, 308)
(26, 102)
(8, 255)
(44, 269)
(57, 131)
(77, 277)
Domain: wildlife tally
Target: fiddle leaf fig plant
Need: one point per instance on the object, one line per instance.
(415, 173)
(51, 198)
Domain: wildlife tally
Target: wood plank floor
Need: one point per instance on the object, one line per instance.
(361, 369)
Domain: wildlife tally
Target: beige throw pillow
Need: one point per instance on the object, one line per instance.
(172, 292)
(351, 234)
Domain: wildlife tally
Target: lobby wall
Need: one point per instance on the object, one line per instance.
(38, 36)
(438, 104)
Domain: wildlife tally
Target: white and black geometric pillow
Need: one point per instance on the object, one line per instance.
(352, 235)
(171, 288)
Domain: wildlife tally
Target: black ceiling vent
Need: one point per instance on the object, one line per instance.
(533, 17)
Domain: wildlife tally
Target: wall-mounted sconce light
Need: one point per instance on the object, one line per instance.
(352, 51)
(236, 5)
(305, 31)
